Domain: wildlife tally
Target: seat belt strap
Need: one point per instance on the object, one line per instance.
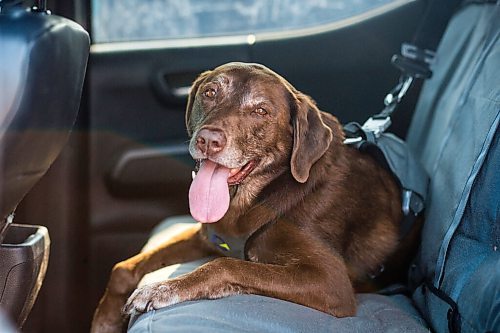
(432, 26)
(415, 59)
(414, 62)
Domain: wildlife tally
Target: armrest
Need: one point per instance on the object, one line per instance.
(151, 172)
(24, 257)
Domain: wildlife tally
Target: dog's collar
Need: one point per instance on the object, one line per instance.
(230, 246)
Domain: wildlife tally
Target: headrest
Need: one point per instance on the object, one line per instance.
(42, 70)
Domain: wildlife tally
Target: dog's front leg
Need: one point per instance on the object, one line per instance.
(125, 276)
(325, 289)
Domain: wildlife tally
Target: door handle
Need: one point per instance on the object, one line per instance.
(169, 93)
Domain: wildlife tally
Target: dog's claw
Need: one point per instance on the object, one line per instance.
(149, 307)
(151, 297)
(130, 308)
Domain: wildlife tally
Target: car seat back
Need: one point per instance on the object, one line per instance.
(43, 59)
(42, 65)
(454, 131)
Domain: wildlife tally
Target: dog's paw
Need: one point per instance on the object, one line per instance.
(152, 297)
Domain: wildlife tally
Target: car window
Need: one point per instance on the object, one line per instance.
(134, 20)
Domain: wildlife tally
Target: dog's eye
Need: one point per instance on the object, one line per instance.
(260, 111)
(210, 93)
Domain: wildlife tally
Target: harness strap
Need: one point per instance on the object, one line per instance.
(394, 156)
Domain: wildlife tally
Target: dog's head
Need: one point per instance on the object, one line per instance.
(248, 125)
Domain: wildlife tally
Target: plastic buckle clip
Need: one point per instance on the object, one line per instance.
(377, 125)
(412, 203)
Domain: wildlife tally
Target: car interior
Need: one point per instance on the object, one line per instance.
(94, 148)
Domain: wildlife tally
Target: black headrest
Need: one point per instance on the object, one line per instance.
(43, 59)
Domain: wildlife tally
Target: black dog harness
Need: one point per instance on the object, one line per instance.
(396, 157)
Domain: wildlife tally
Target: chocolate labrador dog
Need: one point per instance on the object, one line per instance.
(314, 217)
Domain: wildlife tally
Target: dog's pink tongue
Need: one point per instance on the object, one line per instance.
(209, 193)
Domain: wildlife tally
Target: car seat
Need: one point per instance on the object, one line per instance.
(43, 59)
(455, 280)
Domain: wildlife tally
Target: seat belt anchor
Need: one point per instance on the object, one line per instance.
(413, 52)
(413, 61)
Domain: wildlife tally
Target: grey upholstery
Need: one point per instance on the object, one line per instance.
(5, 324)
(251, 313)
(245, 313)
(455, 131)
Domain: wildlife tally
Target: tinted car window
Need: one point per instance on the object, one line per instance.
(132, 20)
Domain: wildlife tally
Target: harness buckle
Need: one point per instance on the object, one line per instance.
(412, 203)
(376, 125)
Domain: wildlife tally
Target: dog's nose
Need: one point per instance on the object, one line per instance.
(210, 141)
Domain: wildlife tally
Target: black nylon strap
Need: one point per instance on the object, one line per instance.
(453, 316)
(434, 22)
(412, 201)
(415, 59)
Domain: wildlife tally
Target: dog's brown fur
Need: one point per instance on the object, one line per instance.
(335, 212)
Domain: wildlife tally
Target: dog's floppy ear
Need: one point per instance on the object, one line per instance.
(311, 137)
(191, 98)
